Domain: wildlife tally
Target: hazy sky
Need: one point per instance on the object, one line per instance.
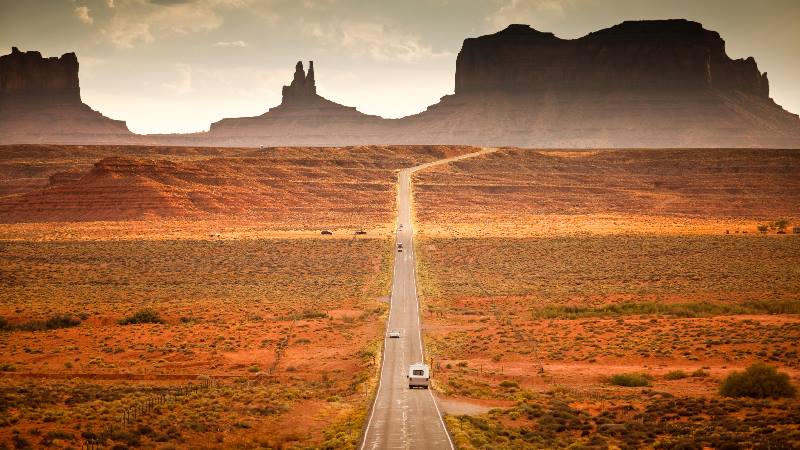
(178, 65)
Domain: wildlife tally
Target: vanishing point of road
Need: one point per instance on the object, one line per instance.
(403, 418)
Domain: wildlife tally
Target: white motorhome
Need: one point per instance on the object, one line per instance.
(419, 375)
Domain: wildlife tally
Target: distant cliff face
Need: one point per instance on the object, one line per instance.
(28, 75)
(663, 55)
(656, 84)
(40, 102)
(302, 118)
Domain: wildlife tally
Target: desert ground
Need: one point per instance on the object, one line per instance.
(267, 333)
(548, 278)
(542, 275)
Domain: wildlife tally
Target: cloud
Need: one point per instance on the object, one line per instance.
(231, 44)
(526, 11)
(82, 13)
(183, 85)
(145, 21)
(375, 40)
(169, 2)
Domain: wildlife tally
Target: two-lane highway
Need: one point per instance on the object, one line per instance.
(405, 418)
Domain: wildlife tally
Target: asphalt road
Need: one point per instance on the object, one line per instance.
(403, 418)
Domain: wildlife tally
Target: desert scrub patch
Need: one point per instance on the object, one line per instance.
(232, 296)
(683, 310)
(55, 322)
(676, 375)
(509, 384)
(252, 272)
(544, 267)
(306, 315)
(146, 315)
(631, 379)
(757, 381)
(648, 420)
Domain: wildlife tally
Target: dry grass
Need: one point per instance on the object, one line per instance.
(231, 309)
(522, 193)
(595, 270)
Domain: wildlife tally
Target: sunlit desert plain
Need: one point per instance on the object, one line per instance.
(169, 297)
(173, 297)
(599, 298)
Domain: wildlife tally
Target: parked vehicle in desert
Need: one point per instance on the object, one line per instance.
(327, 232)
(394, 334)
(419, 375)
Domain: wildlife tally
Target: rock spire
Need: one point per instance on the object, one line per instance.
(303, 87)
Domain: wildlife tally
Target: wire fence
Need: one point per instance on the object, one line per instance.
(146, 406)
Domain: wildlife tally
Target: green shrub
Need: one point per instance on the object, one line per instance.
(146, 315)
(631, 379)
(757, 381)
(20, 442)
(61, 321)
(312, 314)
(676, 375)
(53, 323)
(51, 436)
(691, 309)
(509, 384)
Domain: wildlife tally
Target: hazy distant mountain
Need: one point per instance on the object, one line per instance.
(40, 101)
(302, 118)
(664, 83)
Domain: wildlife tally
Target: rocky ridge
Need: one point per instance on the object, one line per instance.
(649, 84)
(302, 118)
(40, 101)
(661, 55)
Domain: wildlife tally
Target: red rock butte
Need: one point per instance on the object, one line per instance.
(40, 101)
(648, 84)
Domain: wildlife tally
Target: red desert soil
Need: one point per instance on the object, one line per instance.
(516, 192)
(599, 263)
(353, 185)
(225, 246)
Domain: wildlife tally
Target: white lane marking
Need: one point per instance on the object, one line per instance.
(383, 358)
(441, 420)
(419, 330)
(404, 187)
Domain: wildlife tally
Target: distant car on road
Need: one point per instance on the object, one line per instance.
(419, 375)
(394, 334)
(399, 246)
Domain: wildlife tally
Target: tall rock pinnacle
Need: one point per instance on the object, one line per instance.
(302, 87)
(310, 76)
